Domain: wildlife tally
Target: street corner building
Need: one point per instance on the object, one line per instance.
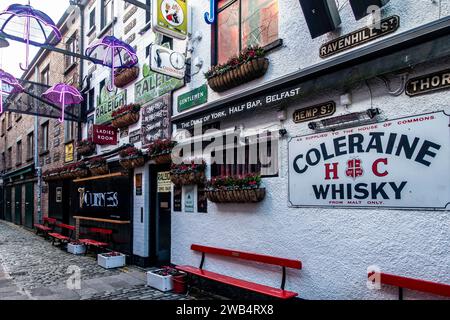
(273, 148)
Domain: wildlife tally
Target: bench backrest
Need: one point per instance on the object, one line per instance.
(295, 264)
(50, 221)
(66, 226)
(101, 231)
(414, 284)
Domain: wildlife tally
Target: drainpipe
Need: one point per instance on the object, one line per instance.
(36, 155)
(81, 43)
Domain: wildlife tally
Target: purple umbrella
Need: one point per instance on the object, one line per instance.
(46, 32)
(63, 95)
(8, 85)
(114, 54)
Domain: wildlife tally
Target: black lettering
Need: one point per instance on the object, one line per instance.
(335, 191)
(375, 142)
(361, 188)
(338, 145)
(391, 143)
(407, 148)
(321, 192)
(325, 154)
(355, 142)
(296, 167)
(425, 151)
(309, 160)
(398, 190)
(379, 189)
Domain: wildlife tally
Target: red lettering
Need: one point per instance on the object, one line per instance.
(376, 170)
(331, 171)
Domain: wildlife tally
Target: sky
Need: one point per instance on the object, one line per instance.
(11, 57)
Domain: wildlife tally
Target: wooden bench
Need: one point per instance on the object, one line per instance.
(46, 227)
(59, 236)
(256, 287)
(410, 283)
(99, 232)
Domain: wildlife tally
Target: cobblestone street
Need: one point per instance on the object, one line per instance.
(32, 269)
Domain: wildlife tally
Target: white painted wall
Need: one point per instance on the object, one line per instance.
(335, 245)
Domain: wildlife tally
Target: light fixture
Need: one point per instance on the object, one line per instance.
(282, 114)
(346, 120)
(3, 42)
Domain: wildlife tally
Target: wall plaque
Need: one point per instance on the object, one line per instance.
(315, 112)
(428, 83)
(356, 38)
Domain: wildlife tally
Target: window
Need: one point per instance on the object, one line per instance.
(244, 23)
(92, 19)
(19, 153)
(72, 46)
(3, 126)
(9, 159)
(3, 163)
(44, 137)
(90, 100)
(107, 12)
(69, 131)
(9, 116)
(30, 146)
(45, 79)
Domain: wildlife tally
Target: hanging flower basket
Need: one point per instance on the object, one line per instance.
(85, 148)
(98, 166)
(131, 158)
(51, 175)
(126, 116)
(249, 65)
(74, 171)
(125, 76)
(160, 151)
(235, 189)
(188, 174)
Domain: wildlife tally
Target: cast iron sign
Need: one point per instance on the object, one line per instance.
(356, 38)
(156, 120)
(248, 106)
(315, 112)
(193, 98)
(428, 83)
(107, 105)
(104, 135)
(401, 163)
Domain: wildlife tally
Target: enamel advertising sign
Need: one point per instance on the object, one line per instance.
(402, 163)
(170, 17)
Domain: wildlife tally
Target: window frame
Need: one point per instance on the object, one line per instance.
(215, 33)
(19, 153)
(103, 23)
(30, 146)
(71, 46)
(45, 142)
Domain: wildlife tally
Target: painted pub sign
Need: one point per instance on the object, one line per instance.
(402, 163)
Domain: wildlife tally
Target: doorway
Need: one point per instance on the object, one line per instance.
(29, 205)
(18, 205)
(8, 204)
(160, 214)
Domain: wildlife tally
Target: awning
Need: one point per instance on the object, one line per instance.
(19, 172)
(399, 52)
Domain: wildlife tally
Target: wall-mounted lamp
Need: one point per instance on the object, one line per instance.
(346, 120)
(282, 114)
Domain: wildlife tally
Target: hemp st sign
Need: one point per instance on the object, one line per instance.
(402, 163)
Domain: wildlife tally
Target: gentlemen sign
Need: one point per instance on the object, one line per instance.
(356, 38)
(315, 112)
(428, 83)
(403, 163)
(193, 98)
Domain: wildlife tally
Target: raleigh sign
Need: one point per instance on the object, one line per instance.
(402, 163)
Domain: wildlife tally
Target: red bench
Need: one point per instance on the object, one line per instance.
(410, 283)
(259, 288)
(99, 232)
(59, 236)
(46, 227)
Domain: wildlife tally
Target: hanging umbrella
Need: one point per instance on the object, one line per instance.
(39, 28)
(8, 85)
(113, 53)
(63, 95)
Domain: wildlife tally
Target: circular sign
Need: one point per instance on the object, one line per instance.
(172, 12)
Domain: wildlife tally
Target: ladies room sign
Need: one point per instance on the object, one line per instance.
(402, 163)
